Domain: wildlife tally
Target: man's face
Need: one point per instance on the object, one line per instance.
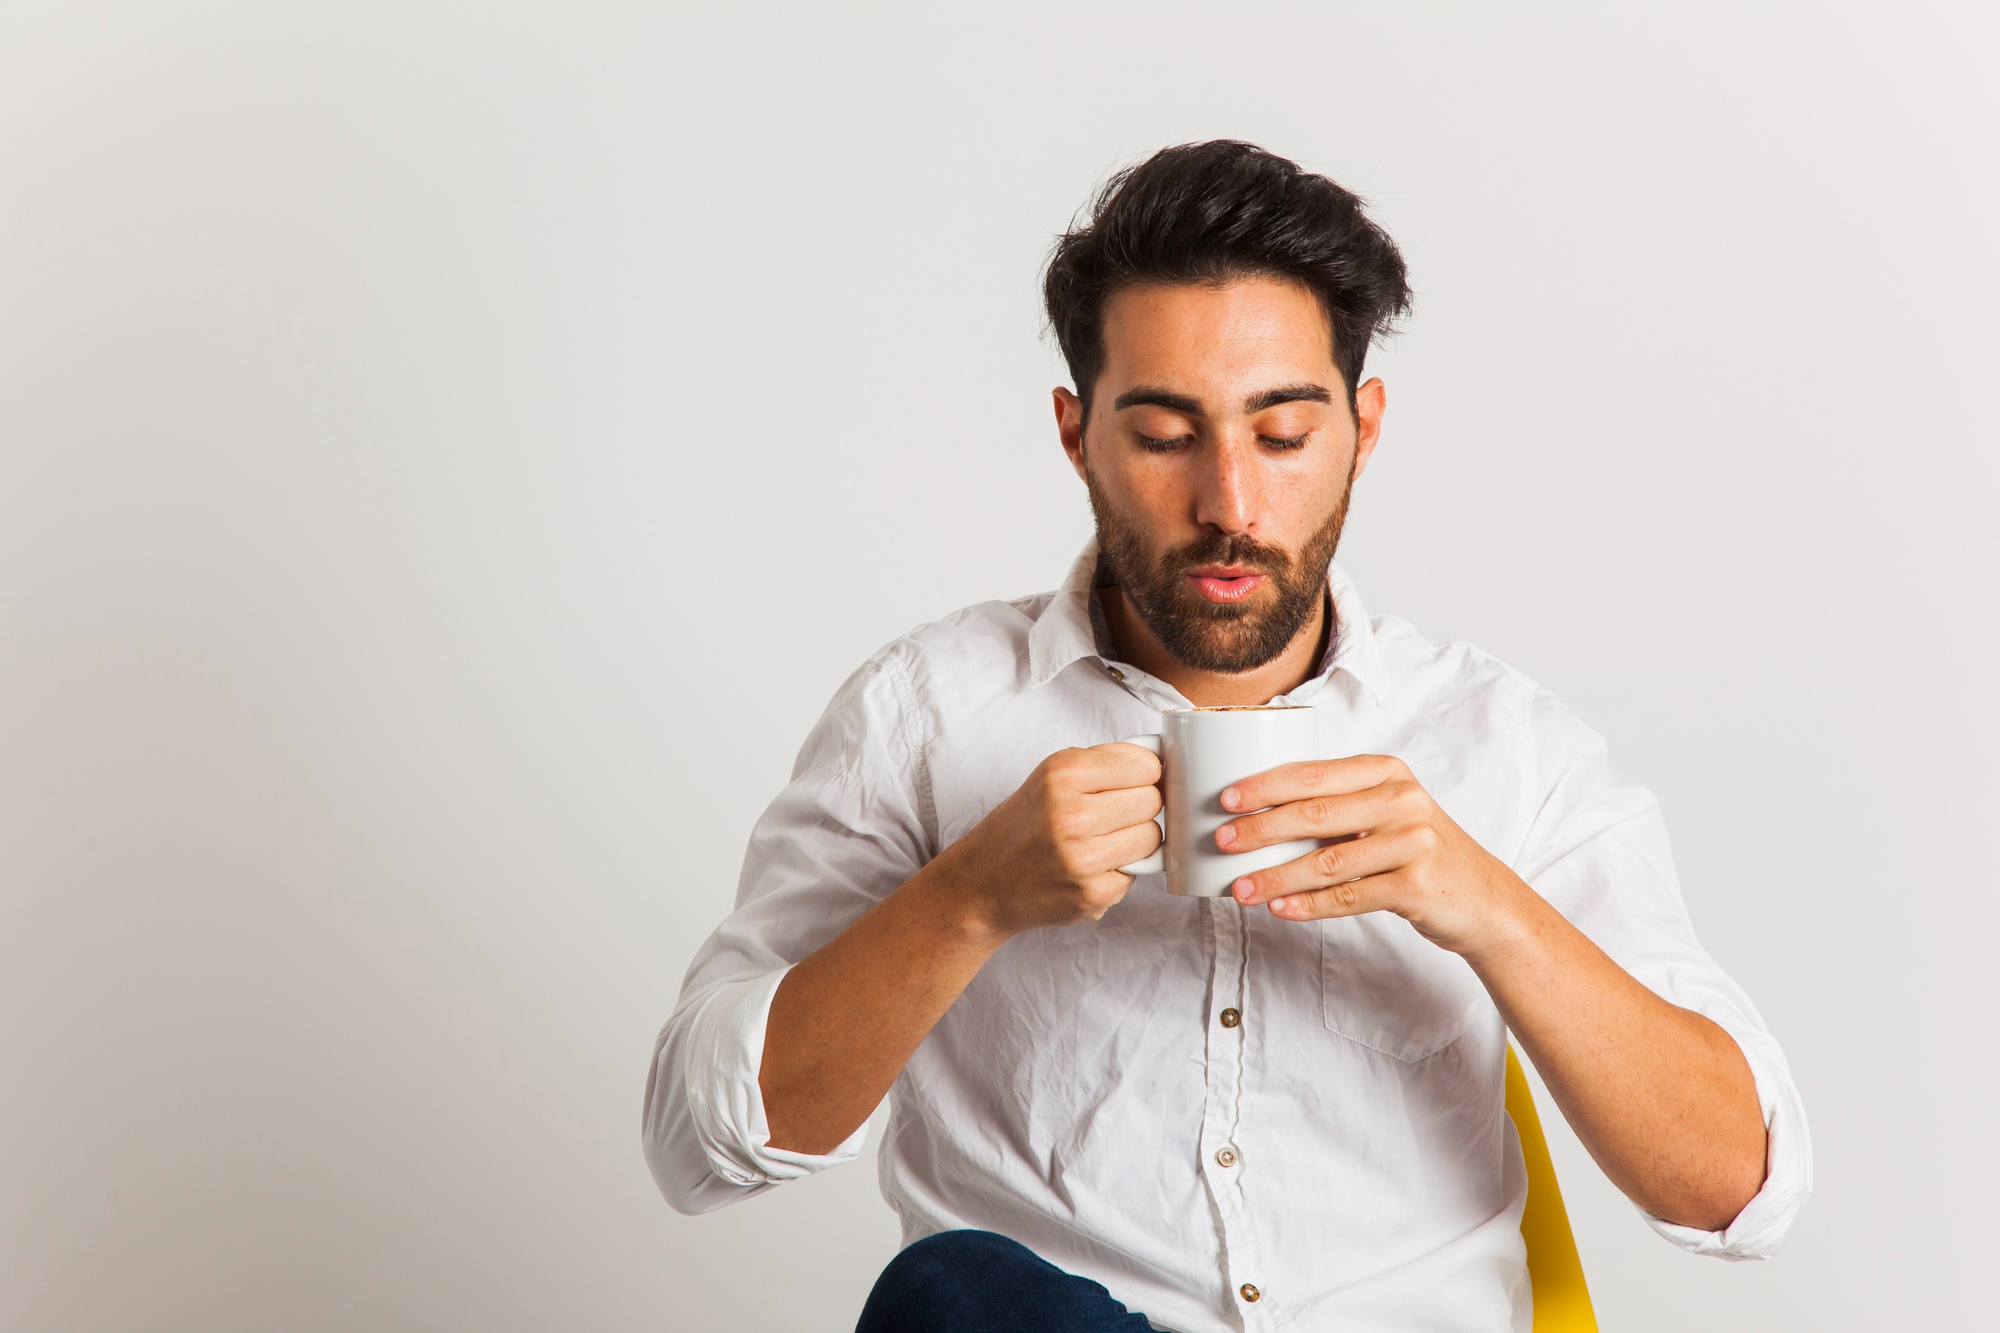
(1218, 455)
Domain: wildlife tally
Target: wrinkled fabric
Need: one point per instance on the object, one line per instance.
(1343, 1150)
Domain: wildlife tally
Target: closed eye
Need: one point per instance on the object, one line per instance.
(1285, 443)
(1167, 446)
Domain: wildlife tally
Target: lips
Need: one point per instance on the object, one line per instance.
(1223, 584)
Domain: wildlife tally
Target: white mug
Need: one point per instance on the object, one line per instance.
(1202, 751)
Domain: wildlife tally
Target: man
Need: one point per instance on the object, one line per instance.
(1283, 1109)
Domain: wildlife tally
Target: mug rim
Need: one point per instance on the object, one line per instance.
(1236, 708)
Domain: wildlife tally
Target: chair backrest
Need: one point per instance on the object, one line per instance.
(1562, 1302)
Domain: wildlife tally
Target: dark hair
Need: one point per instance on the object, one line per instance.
(1209, 212)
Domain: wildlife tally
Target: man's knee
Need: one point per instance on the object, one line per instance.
(962, 1251)
(951, 1276)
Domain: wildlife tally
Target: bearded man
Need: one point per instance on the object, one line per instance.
(1279, 1109)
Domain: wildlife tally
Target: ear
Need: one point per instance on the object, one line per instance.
(1369, 402)
(1069, 425)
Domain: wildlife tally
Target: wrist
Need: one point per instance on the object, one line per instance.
(1509, 925)
(955, 896)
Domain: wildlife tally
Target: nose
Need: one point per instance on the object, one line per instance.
(1225, 490)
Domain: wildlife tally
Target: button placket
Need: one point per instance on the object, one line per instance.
(1222, 1115)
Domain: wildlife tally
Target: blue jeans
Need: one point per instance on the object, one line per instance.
(977, 1282)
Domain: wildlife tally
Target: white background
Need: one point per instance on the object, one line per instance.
(449, 456)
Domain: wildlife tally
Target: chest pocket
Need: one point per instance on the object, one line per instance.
(1392, 990)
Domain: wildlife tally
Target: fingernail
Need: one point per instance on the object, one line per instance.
(1230, 797)
(1243, 889)
(1225, 835)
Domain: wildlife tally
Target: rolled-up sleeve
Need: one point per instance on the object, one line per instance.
(1597, 849)
(845, 832)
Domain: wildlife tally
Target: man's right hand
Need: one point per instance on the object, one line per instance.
(1049, 854)
(846, 1019)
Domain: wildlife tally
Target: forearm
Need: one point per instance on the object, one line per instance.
(846, 1020)
(1661, 1096)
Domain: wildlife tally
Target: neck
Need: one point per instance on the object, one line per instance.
(1284, 673)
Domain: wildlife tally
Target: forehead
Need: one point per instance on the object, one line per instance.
(1224, 334)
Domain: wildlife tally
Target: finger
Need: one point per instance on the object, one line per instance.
(1375, 893)
(1103, 892)
(1106, 812)
(1315, 817)
(1119, 848)
(1110, 767)
(1317, 777)
(1336, 863)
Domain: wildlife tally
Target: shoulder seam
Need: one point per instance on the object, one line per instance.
(916, 735)
(1530, 762)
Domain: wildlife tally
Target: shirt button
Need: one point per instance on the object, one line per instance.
(1227, 1157)
(1114, 673)
(1249, 1292)
(1230, 1018)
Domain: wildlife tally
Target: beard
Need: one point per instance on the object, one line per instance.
(1224, 637)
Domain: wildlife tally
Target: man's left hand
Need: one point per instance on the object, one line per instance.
(1397, 852)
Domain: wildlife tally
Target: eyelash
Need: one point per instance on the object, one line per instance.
(1282, 443)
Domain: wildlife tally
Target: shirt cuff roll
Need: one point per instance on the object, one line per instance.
(1759, 1231)
(725, 1049)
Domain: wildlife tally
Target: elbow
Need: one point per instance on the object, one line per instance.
(674, 1155)
(1713, 1204)
(688, 1183)
(695, 1202)
(1741, 1184)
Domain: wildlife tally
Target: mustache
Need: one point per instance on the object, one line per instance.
(1216, 548)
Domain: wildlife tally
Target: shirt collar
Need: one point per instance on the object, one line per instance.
(1064, 633)
(1355, 650)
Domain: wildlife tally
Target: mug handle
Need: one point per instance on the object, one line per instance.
(1155, 864)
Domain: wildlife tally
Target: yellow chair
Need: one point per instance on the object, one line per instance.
(1562, 1302)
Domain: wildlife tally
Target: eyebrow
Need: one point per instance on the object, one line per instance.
(1290, 393)
(1144, 397)
(1186, 406)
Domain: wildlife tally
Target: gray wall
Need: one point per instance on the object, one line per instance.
(448, 457)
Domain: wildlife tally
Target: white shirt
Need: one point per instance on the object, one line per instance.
(1189, 1098)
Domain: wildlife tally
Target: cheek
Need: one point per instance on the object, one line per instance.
(1300, 503)
(1153, 490)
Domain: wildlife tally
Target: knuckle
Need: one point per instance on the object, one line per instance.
(1317, 809)
(1100, 896)
(1329, 861)
(1073, 762)
(1347, 896)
